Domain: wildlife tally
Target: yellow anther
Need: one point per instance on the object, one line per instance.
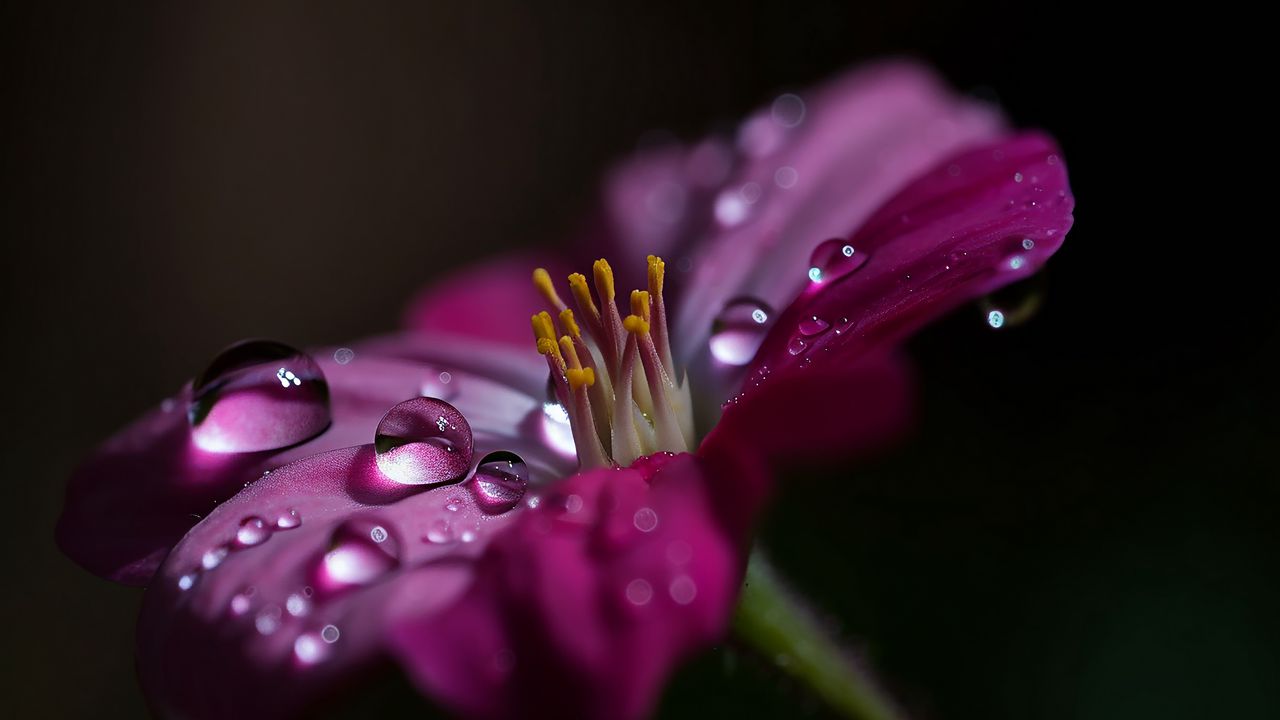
(640, 304)
(542, 281)
(657, 272)
(548, 326)
(570, 354)
(540, 331)
(635, 325)
(547, 346)
(569, 324)
(581, 293)
(579, 377)
(604, 279)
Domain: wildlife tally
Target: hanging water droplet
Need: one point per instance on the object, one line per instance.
(739, 329)
(289, 519)
(796, 346)
(500, 481)
(356, 556)
(834, 258)
(813, 325)
(253, 531)
(258, 395)
(423, 441)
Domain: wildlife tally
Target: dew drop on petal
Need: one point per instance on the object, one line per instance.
(297, 605)
(499, 481)
(573, 503)
(240, 604)
(186, 582)
(439, 531)
(730, 208)
(253, 530)
(423, 441)
(258, 395)
(214, 557)
(834, 258)
(1028, 243)
(361, 550)
(813, 325)
(738, 330)
(796, 346)
(288, 520)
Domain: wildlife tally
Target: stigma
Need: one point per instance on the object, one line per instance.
(614, 375)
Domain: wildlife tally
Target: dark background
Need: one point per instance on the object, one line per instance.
(1083, 525)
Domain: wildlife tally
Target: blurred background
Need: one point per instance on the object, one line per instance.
(1083, 525)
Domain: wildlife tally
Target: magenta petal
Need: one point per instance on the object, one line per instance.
(289, 587)
(489, 302)
(582, 607)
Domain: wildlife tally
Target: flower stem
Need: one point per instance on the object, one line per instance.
(772, 621)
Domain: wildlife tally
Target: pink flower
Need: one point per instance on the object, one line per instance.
(520, 547)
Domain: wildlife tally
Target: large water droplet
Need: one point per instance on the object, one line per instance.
(423, 440)
(361, 550)
(834, 258)
(739, 329)
(500, 481)
(813, 325)
(258, 395)
(253, 530)
(289, 519)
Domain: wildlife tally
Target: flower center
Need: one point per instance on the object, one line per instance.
(617, 381)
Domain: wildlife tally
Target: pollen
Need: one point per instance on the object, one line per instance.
(614, 376)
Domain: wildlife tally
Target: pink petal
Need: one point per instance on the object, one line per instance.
(130, 501)
(583, 606)
(734, 222)
(979, 221)
(267, 622)
(489, 302)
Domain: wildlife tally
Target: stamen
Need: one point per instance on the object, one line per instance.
(590, 451)
(601, 393)
(657, 275)
(542, 281)
(610, 321)
(665, 425)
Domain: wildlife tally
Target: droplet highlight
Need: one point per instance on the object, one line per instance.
(499, 482)
(423, 441)
(834, 258)
(738, 330)
(361, 550)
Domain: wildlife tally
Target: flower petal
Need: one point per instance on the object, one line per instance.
(583, 606)
(979, 221)
(138, 494)
(244, 620)
(742, 221)
(491, 301)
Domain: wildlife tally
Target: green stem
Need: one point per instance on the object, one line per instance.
(771, 620)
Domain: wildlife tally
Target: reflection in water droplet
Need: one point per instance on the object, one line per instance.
(995, 319)
(288, 520)
(500, 481)
(796, 346)
(813, 325)
(738, 330)
(253, 531)
(639, 592)
(423, 441)
(356, 557)
(258, 395)
(645, 519)
(834, 258)
(1016, 262)
(556, 430)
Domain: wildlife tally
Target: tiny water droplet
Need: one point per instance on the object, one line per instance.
(995, 319)
(786, 177)
(439, 531)
(788, 110)
(1028, 243)
(330, 634)
(356, 556)
(1017, 177)
(214, 557)
(288, 520)
(186, 581)
(834, 258)
(639, 592)
(573, 503)
(796, 346)
(342, 356)
(499, 481)
(268, 620)
(309, 648)
(258, 395)
(297, 605)
(739, 329)
(240, 604)
(813, 325)
(423, 441)
(468, 536)
(645, 519)
(253, 531)
(683, 590)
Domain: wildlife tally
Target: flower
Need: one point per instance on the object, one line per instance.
(461, 542)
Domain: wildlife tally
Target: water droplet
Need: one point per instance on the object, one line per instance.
(253, 531)
(1016, 262)
(330, 634)
(796, 346)
(730, 208)
(786, 177)
(439, 531)
(342, 356)
(468, 536)
(995, 319)
(240, 604)
(683, 590)
(258, 395)
(573, 503)
(356, 557)
(1028, 243)
(445, 377)
(834, 258)
(639, 592)
(186, 581)
(423, 441)
(297, 605)
(645, 519)
(500, 481)
(556, 430)
(1017, 177)
(788, 110)
(309, 648)
(214, 557)
(268, 620)
(813, 325)
(738, 330)
(288, 520)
